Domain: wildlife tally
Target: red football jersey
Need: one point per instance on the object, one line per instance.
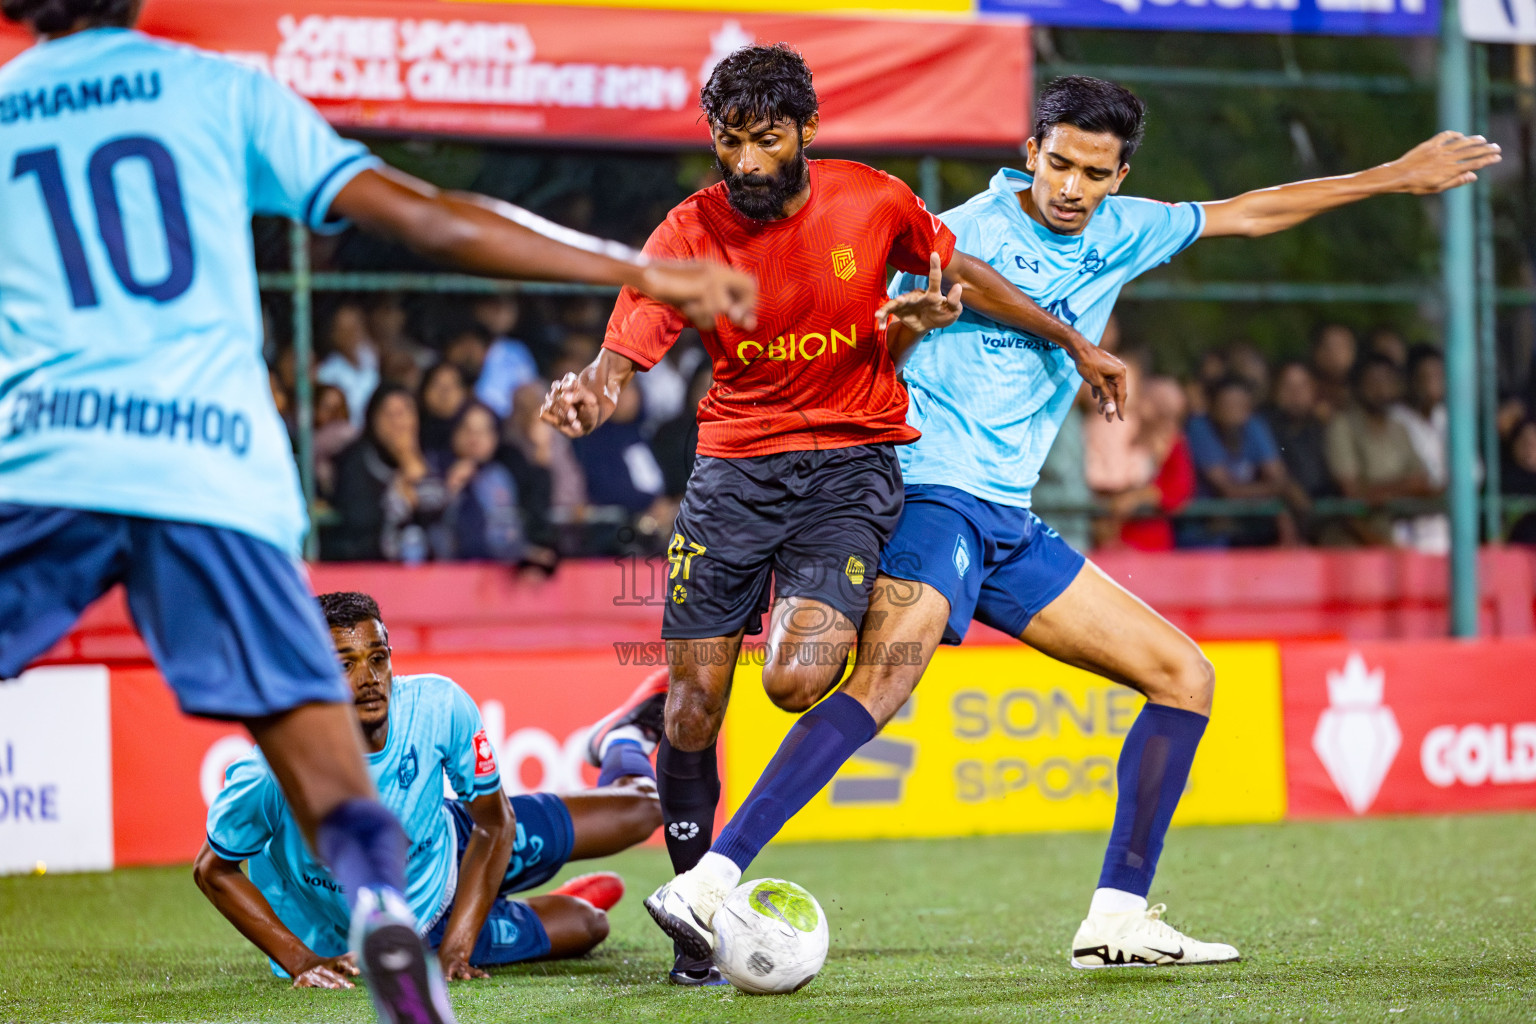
(815, 373)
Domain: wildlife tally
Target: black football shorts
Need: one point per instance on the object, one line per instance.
(811, 523)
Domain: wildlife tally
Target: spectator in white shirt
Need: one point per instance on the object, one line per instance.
(353, 363)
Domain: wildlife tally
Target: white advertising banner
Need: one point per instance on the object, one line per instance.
(56, 771)
(1499, 21)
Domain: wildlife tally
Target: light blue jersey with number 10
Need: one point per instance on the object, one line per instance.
(131, 378)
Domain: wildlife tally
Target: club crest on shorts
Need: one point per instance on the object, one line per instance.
(842, 263)
(855, 570)
(962, 556)
(679, 594)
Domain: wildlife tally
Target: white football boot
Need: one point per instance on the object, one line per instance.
(685, 908)
(1141, 938)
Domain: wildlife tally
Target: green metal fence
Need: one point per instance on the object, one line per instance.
(1470, 295)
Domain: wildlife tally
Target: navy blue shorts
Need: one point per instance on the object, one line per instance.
(810, 522)
(545, 839)
(511, 934)
(997, 564)
(230, 619)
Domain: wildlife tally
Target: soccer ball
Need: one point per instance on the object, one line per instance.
(770, 936)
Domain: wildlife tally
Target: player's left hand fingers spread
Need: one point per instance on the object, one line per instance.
(935, 273)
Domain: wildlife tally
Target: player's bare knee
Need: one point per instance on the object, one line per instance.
(694, 715)
(1185, 679)
(597, 926)
(797, 687)
(693, 727)
(640, 817)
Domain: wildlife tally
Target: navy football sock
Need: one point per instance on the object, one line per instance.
(624, 757)
(363, 845)
(688, 783)
(1154, 766)
(825, 737)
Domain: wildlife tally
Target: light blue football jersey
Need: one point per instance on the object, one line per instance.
(131, 378)
(989, 400)
(435, 733)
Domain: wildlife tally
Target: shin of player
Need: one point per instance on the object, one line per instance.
(968, 546)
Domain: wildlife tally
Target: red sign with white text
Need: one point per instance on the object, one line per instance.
(1409, 728)
(167, 767)
(623, 75)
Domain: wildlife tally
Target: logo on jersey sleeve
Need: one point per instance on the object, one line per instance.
(843, 265)
(485, 756)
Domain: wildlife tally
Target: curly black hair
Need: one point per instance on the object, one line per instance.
(47, 17)
(346, 608)
(1092, 105)
(759, 83)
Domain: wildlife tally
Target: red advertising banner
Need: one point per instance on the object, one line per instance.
(625, 76)
(167, 767)
(1409, 728)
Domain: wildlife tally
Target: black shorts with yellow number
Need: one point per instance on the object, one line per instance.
(813, 523)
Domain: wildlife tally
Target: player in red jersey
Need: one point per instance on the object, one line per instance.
(797, 480)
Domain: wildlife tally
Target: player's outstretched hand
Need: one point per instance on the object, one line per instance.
(927, 309)
(1444, 162)
(1105, 375)
(571, 406)
(459, 969)
(703, 292)
(331, 973)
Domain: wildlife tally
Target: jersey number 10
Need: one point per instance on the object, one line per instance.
(109, 217)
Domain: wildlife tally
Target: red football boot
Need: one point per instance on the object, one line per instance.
(602, 889)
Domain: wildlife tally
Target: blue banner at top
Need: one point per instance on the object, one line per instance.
(1317, 17)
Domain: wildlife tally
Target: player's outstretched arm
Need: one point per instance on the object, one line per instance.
(579, 403)
(480, 876)
(1447, 161)
(990, 294)
(486, 236)
(247, 909)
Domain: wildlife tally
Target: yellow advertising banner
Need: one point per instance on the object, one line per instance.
(1004, 739)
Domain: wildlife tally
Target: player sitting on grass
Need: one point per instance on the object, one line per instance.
(989, 402)
(797, 482)
(465, 856)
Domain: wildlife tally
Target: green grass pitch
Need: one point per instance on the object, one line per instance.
(1383, 920)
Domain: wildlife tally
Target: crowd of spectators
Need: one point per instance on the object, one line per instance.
(1345, 447)
(428, 444)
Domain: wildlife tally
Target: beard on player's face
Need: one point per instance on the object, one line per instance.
(763, 196)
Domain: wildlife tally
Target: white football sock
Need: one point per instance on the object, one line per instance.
(633, 733)
(721, 868)
(1116, 901)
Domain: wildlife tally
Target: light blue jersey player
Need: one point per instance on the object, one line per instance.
(423, 736)
(989, 402)
(138, 441)
(434, 735)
